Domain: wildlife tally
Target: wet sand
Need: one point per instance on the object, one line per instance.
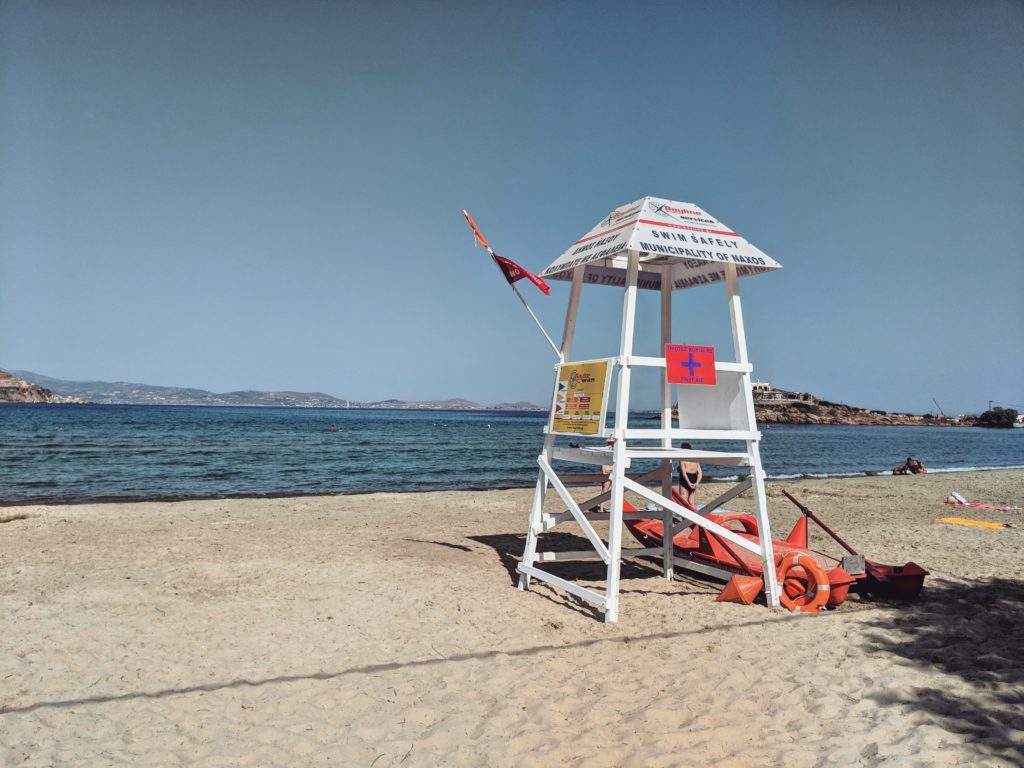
(384, 630)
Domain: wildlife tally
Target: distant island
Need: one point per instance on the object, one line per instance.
(29, 387)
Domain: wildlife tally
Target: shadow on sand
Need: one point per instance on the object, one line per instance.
(509, 548)
(376, 669)
(591, 573)
(973, 632)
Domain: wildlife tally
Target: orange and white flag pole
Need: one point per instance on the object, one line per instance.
(513, 272)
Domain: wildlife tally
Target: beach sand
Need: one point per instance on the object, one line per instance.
(384, 630)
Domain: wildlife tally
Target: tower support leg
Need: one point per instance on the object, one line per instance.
(536, 511)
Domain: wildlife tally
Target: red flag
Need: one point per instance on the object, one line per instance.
(509, 268)
(513, 272)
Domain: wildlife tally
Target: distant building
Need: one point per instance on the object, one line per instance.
(765, 392)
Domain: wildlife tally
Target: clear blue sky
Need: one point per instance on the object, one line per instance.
(267, 195)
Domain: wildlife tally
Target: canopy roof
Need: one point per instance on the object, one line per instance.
(695, 244)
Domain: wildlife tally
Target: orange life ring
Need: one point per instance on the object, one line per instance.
(746, 521)
(792, 594)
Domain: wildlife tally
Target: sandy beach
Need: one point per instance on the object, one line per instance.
(384, 630)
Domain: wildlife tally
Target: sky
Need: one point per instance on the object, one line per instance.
(268, 195)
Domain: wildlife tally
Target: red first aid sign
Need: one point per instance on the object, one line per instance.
(690, 364)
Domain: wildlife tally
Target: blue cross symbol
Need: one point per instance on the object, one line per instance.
(690, 364)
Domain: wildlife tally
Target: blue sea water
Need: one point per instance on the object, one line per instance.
(58, 454)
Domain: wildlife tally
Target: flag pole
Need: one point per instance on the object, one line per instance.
(558, 352)
(485, 244)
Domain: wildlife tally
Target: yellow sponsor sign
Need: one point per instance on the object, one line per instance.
(581, 398)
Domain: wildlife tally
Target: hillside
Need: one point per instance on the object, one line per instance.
(127, 393)
(14, 389)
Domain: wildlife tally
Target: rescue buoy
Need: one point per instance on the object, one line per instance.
(747, 522)
(797, 594)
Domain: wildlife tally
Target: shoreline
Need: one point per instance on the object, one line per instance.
(170, 499)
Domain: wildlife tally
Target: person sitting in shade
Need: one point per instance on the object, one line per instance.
(606, 470)
(911, 466)
(690, 475)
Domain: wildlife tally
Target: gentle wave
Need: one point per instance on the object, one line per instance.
(947, 470)
(876, 473)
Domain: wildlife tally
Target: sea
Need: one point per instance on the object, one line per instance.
(76, 454)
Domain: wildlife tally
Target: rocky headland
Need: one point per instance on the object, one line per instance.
(14, 389)
(824, 412)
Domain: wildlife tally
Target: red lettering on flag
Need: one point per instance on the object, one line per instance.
(513, 272)
(690, 364)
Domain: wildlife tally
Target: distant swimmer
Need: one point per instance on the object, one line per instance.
(332, 429)
(911, 466)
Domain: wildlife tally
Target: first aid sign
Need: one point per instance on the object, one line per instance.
(690, 364)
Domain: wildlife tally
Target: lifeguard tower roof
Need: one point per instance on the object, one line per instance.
(663, 232)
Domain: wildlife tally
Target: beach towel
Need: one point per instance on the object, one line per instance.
(956, 500)
(975, 523)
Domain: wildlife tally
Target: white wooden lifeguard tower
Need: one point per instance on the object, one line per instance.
(660, 245)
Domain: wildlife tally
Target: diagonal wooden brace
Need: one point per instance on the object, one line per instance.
(693, 517)
(573, 507)
(732, 493)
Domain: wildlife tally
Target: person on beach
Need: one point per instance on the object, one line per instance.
(690, 475)
(911, 466)
(606, 470)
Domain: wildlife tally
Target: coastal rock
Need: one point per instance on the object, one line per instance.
(824, 412)
(14, 389)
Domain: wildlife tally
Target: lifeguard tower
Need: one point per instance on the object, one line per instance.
(659, 245)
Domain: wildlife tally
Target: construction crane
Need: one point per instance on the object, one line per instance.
(941, 414)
